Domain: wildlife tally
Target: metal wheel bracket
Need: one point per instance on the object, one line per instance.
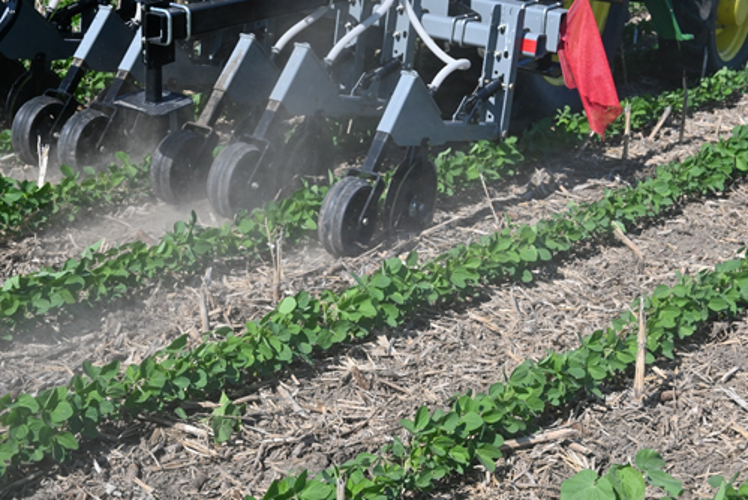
(412, 118)
(305, 87)
(106, 41)
(248, 63)
(374, 195)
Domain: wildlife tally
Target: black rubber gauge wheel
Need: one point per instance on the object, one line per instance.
(341, 228)
(78, 145)
(35, 120)
(236, 180)
(26, 87)
(179, 167)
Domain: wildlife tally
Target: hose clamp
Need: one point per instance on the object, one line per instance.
(187, 15)
(169, 26)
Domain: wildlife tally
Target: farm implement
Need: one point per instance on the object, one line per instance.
(373, 69)
(40, 38)
(84, 137)
(431, 72)
(173, 34)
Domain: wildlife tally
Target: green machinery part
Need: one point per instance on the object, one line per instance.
(711, 33)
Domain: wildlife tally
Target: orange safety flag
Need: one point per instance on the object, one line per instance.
(585, 66)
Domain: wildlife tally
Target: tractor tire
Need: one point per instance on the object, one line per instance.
(538, 97)
(720, 30)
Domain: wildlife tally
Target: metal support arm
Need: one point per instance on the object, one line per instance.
(170, 23)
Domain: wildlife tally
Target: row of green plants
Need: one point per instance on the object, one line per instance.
(24, 206)
(448, 442)
(629, 482)
(103, 275)
(443, 443)
(46, 424)
(567, 126)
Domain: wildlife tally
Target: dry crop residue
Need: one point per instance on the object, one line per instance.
(351, 399)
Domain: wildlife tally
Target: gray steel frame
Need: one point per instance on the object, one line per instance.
(498, 28)
(409, 114)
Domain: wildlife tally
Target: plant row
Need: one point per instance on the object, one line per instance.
(104, 275)
(474, 428)
(645, 111)
(24, 206)
(43, 425)
(98, 275)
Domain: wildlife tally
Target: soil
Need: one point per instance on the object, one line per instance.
(351, 399)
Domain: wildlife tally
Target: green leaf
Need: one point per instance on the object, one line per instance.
(67, 171)
(472, 421)
(422, 418)
(317, 490)
(28, 402)
(487, 454)
(648, 460)
(379, 281)
(67, 440)
(627, 482)
(460, 454)
(529, 254)
(367, 309)
(222, 428)
(62, 412)
(287, 305)
(665, 481)
(110, 370)
(718, 304)
(176, 345)
(586, 485)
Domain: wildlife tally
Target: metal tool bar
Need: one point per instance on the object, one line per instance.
(167, 23)
(475, 31)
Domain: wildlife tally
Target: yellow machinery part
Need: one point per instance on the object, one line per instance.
(731, 28)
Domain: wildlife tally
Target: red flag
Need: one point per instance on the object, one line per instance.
(585, 66)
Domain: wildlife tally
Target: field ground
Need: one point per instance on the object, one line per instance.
(352, 398)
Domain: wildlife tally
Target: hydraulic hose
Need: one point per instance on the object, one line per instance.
(298, 28)
(138, 19)
(360, 28)
(451, 64)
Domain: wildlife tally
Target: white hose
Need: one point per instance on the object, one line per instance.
(298, 28)
(448, 69)
(451, 63)
(360, 28)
